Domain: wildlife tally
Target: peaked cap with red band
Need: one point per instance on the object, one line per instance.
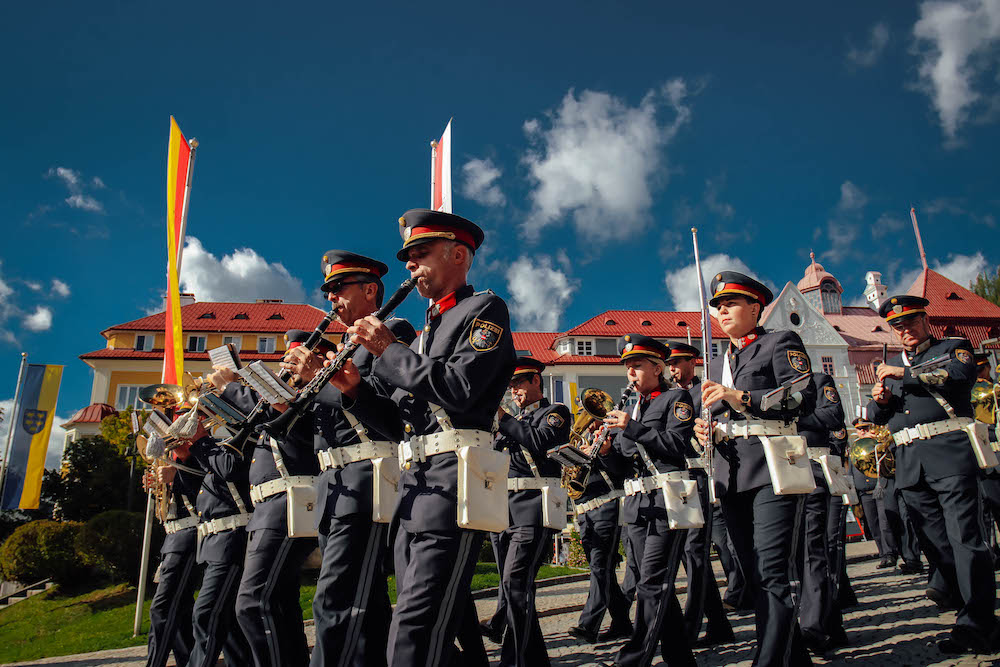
(337, 264)
(682, 351)
(633, 345)
(526, 366)
(422, 225)
(902, 306)
(733, 283)
(296, 337)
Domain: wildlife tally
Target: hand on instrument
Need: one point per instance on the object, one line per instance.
(220, 377)
(703, 431)
(148, 480)
(606, 445)
(617, 419)
(713, 392)
(881, 393)
(166, 474)
(348, 379)
(372, 334)
(886, 371)
(302, 363)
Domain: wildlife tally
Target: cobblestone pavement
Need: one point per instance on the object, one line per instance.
(893, 624)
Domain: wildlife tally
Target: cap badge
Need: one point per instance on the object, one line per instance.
(628, 347)
(897, 309)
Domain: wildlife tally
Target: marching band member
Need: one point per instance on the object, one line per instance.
(447, 387)
(936, 468)
(836, 534)
(539, 426)
(653, 441)
(756, 362)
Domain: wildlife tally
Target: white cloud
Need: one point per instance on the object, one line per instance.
(57, 438)
(682, 284)
(868, 55)
(712, 202)
(7, 310)
(85, 202)
(242, 275)
(961, 269)
(59, 288)
(956, 44)
(76, 185)
(851, 197)
(480, 182)
(539, 293)
(69, 177)
(40, 320)
(98, 183)
(33, 286)
(600, 160)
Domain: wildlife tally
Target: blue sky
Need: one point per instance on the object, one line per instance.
(588, 138)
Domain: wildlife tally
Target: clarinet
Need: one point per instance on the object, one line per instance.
(304, 399)
(254, 419)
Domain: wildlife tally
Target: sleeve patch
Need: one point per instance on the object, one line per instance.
(484, 336)
(555, 419)
(831, 394)
(799, 361)
(964, 356)
(683, 411)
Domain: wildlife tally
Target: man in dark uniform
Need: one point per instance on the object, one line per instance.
(989, 481)
(760, 521)
(703, 597)
(351, 608)
(651, 448)
(836, 534)
(267, 606)
(819, 616)
(927, 409)
(448, 385)
(539, 426)
(173, 602)
(223, 510)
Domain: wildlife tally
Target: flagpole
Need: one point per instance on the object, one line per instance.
(193, 144)
(916, 231)
(13, 425)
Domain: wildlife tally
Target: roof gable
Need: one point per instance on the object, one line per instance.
(236, 317)
(949, 299)
(654, 323)
(792, 311)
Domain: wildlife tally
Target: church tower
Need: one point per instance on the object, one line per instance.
(821, 289)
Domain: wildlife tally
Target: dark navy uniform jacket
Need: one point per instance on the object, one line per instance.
(664, 428)
(838, 441)
(538, 429)
(348, 490)
(296, 451)
(222, 464)
(827, 416)
(467, 362)
(911, 404)
(598, 486)
(186, 484)
(770, 359)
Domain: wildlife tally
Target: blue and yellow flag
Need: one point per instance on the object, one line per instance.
(36, 407)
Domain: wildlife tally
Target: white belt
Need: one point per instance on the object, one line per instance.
(924, 431)
(177, 525)
(816, 452)
(224, 523)
(600, 501)
(699, 462)
(420, 447)
(280, 485)
(338, 457)
(525, 483)
(764, 427)
(644, 484)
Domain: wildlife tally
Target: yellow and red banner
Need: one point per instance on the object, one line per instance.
(32, 426)
(179, 154)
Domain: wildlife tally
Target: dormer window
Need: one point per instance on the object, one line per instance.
(276, 316)
(952, 296)
(241, 316)
(207, 316)
(681, 323)
(610, 323)
(837, 328)
(646, 323)
(877, 328)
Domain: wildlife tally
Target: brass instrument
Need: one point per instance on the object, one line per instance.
(872, 454)
(204, 398)
(596, 404)
(984, 401)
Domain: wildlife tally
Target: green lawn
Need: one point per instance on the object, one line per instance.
(64, 622)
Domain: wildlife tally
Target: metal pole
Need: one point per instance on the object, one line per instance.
(193, 144)
(13, 424)
(916, 231)
(140, 597)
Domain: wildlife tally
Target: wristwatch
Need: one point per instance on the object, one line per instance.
(745, 399)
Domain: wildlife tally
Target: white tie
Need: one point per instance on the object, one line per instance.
(727, 373)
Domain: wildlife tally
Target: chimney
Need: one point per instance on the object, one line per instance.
(187, 298)
(874, 290)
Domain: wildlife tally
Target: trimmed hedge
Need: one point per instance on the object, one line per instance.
(39, 550)
(111, 542)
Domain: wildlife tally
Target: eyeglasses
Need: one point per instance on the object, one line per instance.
(905, 323)
(339, 287)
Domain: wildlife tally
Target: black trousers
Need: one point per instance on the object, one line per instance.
(433, 574)
(523, 645)
(761, 524)
(873, 512)
(989, 489)
(658, 617)
(498, 621)
(267, 606)
(351, 609)
(703, 598)
(600, 544)
(215, 626)
(947, 514)
(898, 531)
(836, 555)
(170, 611)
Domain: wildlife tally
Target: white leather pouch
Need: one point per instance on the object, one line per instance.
(385, 488)
(833, 471)
(979, 437)
(621, 511)
(788, 463)
(851, 496)
(301, 511)
(683, 504)
(482, 489)
(554, 506)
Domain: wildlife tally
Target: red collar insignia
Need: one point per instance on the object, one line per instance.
(443, 305)
(746, 340)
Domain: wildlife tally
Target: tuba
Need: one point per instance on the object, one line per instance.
(872, 455)
(984, 401)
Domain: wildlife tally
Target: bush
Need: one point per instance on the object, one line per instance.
(576, 557)
(41, 549)
(111, 542)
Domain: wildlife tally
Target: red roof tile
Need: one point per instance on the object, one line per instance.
(858, 324)
(262, 317)
(662, 324)
(92, 414)
(951, 300)
(127, 353)
(539, 344)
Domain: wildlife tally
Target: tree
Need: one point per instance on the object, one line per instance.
(117, 429)
(95, 479)
(988, 286)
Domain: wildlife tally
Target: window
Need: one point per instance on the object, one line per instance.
(128, 396)
(830, 297)
(265, 344)
(241, 316)
(144, 342)
(235, 341)
(610, 323)
(715, 349)
(646, 323)
(606, 347)
(523, 353)
(207, 316)
(196, 344)
(276, 316)
(795, 319)
(585, 348)
(827, 365)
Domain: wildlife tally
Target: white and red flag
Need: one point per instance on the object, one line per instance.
(441, 172)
